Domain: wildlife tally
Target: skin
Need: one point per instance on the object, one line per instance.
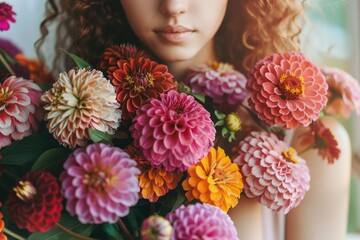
(149, 18)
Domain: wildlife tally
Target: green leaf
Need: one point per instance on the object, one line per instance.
(131, 220)
(57, 234)
(199, 96)
(98, 136)
(81, 63)
(112, 230)
(224, 131)
(27, 149)
(179, 200)
(51, 159)
(219, 116)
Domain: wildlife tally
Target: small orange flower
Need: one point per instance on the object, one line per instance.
(2, 225)
(215, 180)
(153, 182)
(37, 70)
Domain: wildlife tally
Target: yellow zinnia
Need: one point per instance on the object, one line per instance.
(215, 180)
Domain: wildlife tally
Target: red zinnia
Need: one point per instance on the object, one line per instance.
(321, 138)
(137, 80)
(109, 58)
(35, 203)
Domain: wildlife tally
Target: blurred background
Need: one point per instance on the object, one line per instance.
(331, 37)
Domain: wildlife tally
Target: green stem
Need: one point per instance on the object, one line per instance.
(12, 234)
(6, 65)
(305, 150)
(74, 234)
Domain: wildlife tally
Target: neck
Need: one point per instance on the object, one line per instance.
(180, 68)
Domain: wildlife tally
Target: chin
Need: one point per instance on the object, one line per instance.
(175, 55)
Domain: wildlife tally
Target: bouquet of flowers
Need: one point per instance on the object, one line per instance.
(122, 150)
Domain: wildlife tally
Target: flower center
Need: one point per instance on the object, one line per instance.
(292, 86)
(25, 191)
(290, 155)
(96, 180)
(4, 95)
(140, 81)
(218, 175)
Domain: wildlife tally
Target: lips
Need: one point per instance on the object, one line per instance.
(174, 34)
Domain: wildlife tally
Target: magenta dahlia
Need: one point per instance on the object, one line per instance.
(35, 202)
(137, 80)
(19, 109)
(273, 173)
(344, 92)
(287, 90)
(201, 221)
(220, 81)
(99, 183)
(6, 16)
(174, 131)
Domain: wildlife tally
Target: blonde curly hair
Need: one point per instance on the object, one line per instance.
(250, 31)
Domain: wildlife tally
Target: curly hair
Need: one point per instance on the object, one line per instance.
(251, 29)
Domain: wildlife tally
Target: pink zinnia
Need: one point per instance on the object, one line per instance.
(99, 183)
(344, 92)
(220, 81)
(273, 172)
(201, 221)
(6, 16)
(174, 131)
(287, 90)
(19, 104)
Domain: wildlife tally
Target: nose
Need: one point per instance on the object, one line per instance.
(174, 7)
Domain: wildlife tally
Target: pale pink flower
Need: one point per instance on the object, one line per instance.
(287, 90)
(100, 183)
(174, 131)
(156, 228)
(273, 173)
(220, 81)
(19, 109)
(344, 92)
(201, 221)
(80, 100)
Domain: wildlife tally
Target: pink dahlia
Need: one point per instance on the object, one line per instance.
(19, 109)
(137, 80)
(344, 92)
(174, 131)
(220, 81)
(6, 16)
(35, 202)
(287, 90)
(273, 172)
(201, 221)
(100, 183)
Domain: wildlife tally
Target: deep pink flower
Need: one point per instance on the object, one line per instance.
(99, 183)
(201, 221)
(287, 90)
(220, 81)
(174, 131)
(344, 92)
(273, 173)
(35, 202)
(6, 16)
(19, 109)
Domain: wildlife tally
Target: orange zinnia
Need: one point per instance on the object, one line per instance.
(2, 225)
(153, 182)
(215, 180)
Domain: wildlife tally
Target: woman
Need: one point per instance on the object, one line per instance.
(183, 33)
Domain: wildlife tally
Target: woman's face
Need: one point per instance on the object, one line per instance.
(175, 30)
